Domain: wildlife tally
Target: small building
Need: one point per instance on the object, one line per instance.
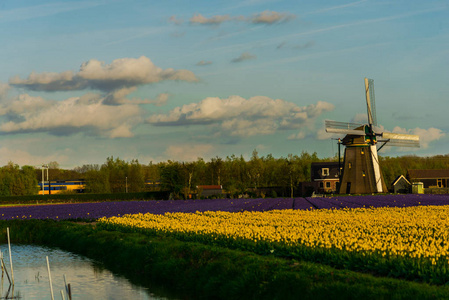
(417, 188)
(401, 185)
(325, 175)
(209, 190)
(430, 178)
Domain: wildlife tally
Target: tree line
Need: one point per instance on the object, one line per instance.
(234, 173)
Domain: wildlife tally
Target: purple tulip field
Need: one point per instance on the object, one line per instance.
(109, 209)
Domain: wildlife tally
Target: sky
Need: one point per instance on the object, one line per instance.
(81, 81)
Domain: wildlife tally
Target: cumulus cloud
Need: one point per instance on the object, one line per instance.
(244, 56)
(426, 136)
(271, 17)
(85, 114)
(95, 74)
(110, 113)
(237, 116)
(119, 97)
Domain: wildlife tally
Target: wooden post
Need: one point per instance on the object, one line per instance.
(6, 271)
(70, 291)
(49, 277)
(10, 257)
(67, 289)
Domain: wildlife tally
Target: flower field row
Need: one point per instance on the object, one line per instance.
(410, 242)
(117, 208)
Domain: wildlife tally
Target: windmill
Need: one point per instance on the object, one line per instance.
(361, 170)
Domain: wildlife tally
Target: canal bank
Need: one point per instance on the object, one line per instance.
(198, 271)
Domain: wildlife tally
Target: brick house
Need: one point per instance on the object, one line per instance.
(325, 175)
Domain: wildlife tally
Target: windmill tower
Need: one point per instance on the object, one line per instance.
(361, 170)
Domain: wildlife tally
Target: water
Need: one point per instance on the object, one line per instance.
(88, 280)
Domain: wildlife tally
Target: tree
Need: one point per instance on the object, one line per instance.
(30, 183)
(117, 171)
(135, 177)
(171, 178)
(97, 182)
(215, 167)
(16, 181)
(255, 169)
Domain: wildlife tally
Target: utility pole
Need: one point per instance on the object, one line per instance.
(43, 180)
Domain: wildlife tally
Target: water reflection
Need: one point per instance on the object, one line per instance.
(87, 279)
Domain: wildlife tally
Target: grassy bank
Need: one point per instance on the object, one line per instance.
(197, 271)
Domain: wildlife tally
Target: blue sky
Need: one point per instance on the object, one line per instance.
(155, 80)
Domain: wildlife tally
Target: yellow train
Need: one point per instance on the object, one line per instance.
(61, 186)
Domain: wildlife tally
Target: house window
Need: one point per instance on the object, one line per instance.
(325, 171)
(363, 173)
(321, 184)
(362, 152)
(440, 183)
(349, 165)
(328, 185)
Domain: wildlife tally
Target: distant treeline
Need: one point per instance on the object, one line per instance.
(234, 173)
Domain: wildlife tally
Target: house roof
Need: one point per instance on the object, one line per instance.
(317, 174)
(400, 177)
(325, 164)
(210, 187)
(428, 174)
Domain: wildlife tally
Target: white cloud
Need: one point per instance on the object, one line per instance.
(112, 114)
(242, 127)
(271, 17)
(85, 114)
(22, 104)
(215, 20)
(119, 97)
(237, 116)
(95, 74)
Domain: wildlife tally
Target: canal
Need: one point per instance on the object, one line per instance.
(87, 278)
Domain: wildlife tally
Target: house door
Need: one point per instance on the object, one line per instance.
(348, 188)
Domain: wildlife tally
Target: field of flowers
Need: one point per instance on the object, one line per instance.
(117, 208)
(409, 242)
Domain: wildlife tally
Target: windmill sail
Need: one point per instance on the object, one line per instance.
(399, 139)
(344, 127)
(370, 102)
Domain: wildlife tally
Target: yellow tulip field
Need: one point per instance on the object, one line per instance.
(406, 242)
